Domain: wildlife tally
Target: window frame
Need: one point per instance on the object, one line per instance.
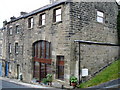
(60, 67)
(17, 29)
(100, 16)
(30, 22)
(55, 15)
(10, 30)
(16, 48)
(41, 19)
(10, 48)
(1, 50)
(1, 36)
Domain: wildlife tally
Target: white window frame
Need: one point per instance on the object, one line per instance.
(30, 22)
(10, 31)
(10, 48)
(16, 48)
(42, 16)
(58, 15)
(17, 29)
(100, 17)
(1, 35)
(1, 49)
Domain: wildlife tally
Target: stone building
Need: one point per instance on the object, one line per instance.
(2, 50)
(63, 38)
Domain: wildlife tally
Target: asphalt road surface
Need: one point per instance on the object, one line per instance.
(6, 84)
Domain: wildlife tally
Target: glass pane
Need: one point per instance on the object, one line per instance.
(36, 70)
(99, 13)
(47, 50)
(10, 48)
(43, 16)
(43, 22)
(31, 20)
(10, 30)
(100, 19)
(43, 47)
(16, 47)
(1, 35)
(58, 18)
(58, 11)
(17, 29)
(61, 72)
(48, 68)
(38, 49)
(0, 50)
(42, 71)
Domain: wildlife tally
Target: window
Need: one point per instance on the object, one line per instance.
(42, 59)
(42, 50)
(16, 48)
(17, 29)
(42, 19)
(30, 22)
(0, 49)
(10, 31)
(100, 17)
(10, 48)
(1, 35)
(60, 67)
(57, 15)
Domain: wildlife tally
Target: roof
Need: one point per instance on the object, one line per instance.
(98, 43)
(41, 9)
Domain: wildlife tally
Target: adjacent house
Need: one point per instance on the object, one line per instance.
(64, 38)
(2, 50)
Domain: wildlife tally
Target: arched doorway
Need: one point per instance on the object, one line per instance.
(42, 59)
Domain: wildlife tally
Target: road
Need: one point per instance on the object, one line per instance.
(6, 84)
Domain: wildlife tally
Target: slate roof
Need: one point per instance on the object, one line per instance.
(41, 9)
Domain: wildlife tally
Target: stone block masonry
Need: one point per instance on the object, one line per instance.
(79, 22)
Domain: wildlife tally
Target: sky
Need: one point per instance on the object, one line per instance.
(9, 8)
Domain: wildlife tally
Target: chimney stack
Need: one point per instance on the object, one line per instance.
(22, 13)
(4, 23)
(12, 18)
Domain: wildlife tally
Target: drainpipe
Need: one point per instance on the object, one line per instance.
(79, 67)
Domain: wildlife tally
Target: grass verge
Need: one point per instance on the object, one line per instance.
(110, 73)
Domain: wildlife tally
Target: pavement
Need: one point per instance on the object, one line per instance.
(24, 84)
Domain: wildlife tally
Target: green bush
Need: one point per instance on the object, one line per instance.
(49, 77)
(73, 79)
(45, 80)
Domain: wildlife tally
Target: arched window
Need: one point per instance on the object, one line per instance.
(42, 50)
(42, 59)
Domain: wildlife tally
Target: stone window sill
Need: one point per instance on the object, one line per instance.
(30, 28)
(41, 26)
(57, 22)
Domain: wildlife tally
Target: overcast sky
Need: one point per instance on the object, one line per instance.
(9, 8)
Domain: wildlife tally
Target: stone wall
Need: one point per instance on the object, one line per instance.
(84, 26)
(53, 32)
(84, 23)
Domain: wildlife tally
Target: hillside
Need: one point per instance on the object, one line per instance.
(110, 73)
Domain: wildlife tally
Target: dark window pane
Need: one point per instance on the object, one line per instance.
(36, 70)
(60, 67)
(43, 48)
